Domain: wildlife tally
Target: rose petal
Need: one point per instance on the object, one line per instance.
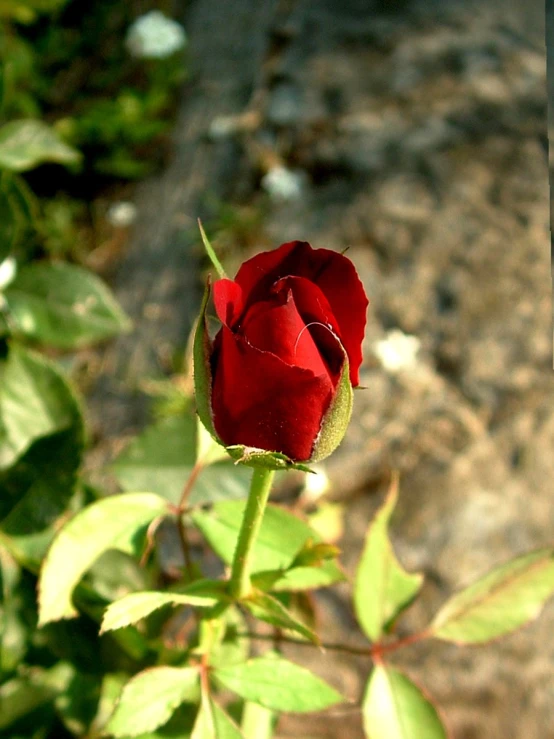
(316, 313)
(228, 301)
(260, 401)
(333, 273)
(279, 329)
(310, 300)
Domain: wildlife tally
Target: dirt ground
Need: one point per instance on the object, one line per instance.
(416, 133)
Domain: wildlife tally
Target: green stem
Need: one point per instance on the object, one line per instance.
(253, 515)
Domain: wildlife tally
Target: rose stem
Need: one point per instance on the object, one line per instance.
(260, 486)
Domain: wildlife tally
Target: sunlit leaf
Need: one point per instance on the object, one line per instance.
(161, 459)
(299, 578)
(269, 609)
(213, 723)
(233, 647)
(278, 684)
(149, 699)
(383, 588)
(133, 607)
(257, 721)
(500, 602)
(63, 305)
(394, 708)
(25, 144)
(116, 522)
(281, 535)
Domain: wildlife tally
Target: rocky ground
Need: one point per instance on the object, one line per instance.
(417, 138)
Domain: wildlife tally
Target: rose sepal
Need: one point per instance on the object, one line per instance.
(201, 367)
(261, 458)
(337, 417)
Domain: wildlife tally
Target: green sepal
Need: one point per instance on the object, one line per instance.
(254, 457)
(202, 369)
(336, 420)
(211, 252)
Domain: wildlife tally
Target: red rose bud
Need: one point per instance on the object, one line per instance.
(279, 375)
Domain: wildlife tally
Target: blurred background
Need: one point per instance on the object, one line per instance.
(413, 133)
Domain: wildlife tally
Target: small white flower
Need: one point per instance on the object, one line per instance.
(155, 36)
(8, 271)
(283, 184)
(398, 351)
(121, 214)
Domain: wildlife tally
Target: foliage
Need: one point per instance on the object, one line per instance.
(80, 109)
(131, 634)
(158, 657)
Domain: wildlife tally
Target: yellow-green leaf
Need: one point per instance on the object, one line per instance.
(111, 523)
(500, 602)
(394, 708)
(383, 588)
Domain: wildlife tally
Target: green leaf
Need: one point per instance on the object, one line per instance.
(29, 550)
(35, 401)
(278, 684)
(213, 723)
(133, 607)
(272, 611)
(394, 708)
(231, 647)
(383, 588)
(8, 227)
(162, 458)
(77, 705)
(14, 631)
(150, 698)
(225, 727)
(299, 578)
(21, 695)
(18, 208)
(257, 722)
(115, 522)
(281, 535)
(40, 485)
(25, 144)
(500, 602)
(63, 305)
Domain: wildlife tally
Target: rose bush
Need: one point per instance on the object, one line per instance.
(290, 345)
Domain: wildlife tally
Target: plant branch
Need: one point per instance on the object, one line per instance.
(332, 646)
(179, 513)
(240, 585)
(379, 649)
(374, 651)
